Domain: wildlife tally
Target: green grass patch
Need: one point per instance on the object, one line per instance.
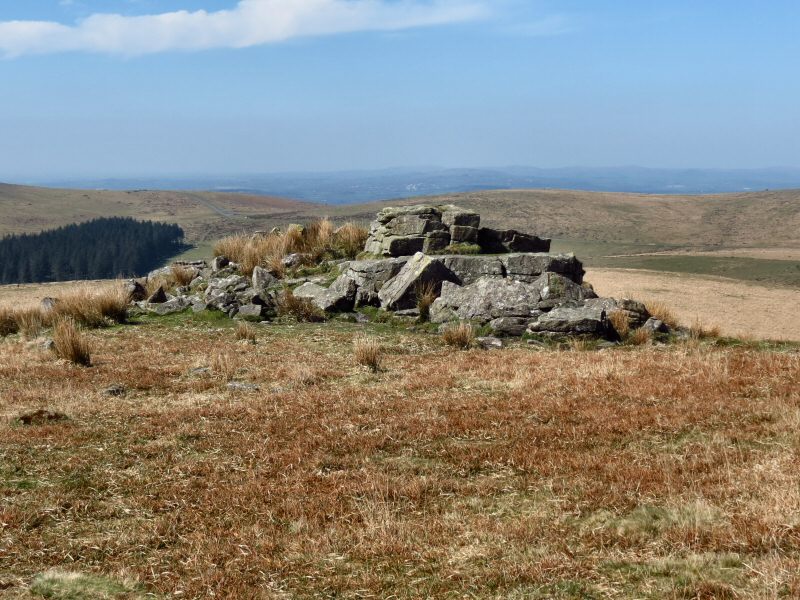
(62, 585)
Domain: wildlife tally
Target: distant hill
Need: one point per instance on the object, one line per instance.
(202, 215)
(748, 220)
(758, 219)
(352, 187)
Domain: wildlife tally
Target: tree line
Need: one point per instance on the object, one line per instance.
(99, 249)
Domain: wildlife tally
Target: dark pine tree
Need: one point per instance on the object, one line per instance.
(98, 249)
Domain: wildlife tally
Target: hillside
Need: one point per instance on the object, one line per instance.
(203, 215)
(752, 220)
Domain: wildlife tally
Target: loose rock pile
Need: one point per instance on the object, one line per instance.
(513, 286)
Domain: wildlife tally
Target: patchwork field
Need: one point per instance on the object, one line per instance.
(648, 472)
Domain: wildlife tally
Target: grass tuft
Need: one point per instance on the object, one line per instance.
(662, 312)
(70, 344)
(368, 352)
(246, 332)
(461, 335)
(302, 310)
(426, 295)
(62, 585)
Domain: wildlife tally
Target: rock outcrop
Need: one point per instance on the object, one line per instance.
(407, 230)
(514, 288)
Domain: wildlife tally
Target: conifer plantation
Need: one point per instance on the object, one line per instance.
(98, 249)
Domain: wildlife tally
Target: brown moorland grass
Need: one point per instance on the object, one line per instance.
(70, 344)
(515, 474)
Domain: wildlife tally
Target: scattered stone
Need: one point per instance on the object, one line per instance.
(241, 386)
(292, 260)
(577, 320)
(655, 326)
(489, 343)
(198, 371)
(41, 417)
(115, 390)
(262, 279)
(171, 306)
(136, 291)
(339, 297)
(409, 312)
(511, 326)
(219, 263)
(158, 296)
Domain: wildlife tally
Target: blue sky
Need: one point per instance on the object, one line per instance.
(283, 85)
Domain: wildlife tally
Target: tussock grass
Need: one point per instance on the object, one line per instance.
(700, 331)
(8, 321)
(302, 310)
(224, 366)
(426, 295)
(619, 321)
(316, 241)
(182, 275)
(245, 332)
(662, 312)
(461, 335)
(368, 352)
(70, 344)
(639, 337)
(93, 308)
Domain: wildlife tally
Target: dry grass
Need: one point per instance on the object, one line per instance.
(93, 308)
(619, 321)
(302, 310)
(461, 335)
(699, 331)
(426, 295)
(182, 275)
(70, 344)
(640, 337)
(368, 352)
(662, 312)
(8, 321)
(245, 332)
(316, 241)
(513, 474)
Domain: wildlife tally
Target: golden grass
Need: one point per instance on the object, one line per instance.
(368, 352)
(461, 335)
(182, 275)
(662, 312)
(619, 321)
(316, 241)
(301, 309)
(640, 337)
(70, 344)
(8, 321)
(426, 295)
(245, 331)
(699, 331)
(508, 474)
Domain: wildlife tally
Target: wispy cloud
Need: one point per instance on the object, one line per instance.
(249, 23)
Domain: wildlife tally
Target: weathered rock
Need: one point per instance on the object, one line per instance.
(250, 312)
(240, 386)
(404, 231)
(339, 297)
(529, 267)
(468, 269)
(461, 217)
(573, 320)
(436, 241)
(170, 306)
(290, 261)
(511, 326)
(461, 234)
(136, 291)
(497, 241)
(489, 343)
(158, 297)
(487, 299)
(557, 289)
(219, 263)
(115, 389)
(655, 326)
(263, 279)
(634, 311)
(401, 292)
(370, 276)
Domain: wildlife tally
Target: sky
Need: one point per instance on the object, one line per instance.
(101, 88)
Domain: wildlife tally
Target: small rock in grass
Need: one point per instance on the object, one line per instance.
(42, 416)
(489, 343)
(241, 386)
(115, 389)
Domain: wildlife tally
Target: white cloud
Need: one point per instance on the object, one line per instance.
(249, 23)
